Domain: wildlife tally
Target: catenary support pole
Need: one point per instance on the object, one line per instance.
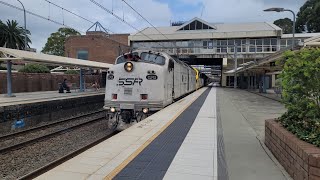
(235, 66)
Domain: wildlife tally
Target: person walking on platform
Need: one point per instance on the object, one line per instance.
(95, 85)
(64, 86)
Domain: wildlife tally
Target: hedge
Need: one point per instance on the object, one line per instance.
(301, 94)
(71, 71)
(35, 68)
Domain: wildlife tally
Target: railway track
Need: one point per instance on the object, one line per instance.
(55, 163)
(34, 155)
(17, 145)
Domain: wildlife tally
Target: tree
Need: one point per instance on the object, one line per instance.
(12, 35)
(308, 17)
(285, 24)
(55, 43)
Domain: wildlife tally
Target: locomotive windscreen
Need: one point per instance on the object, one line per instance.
(153, 58)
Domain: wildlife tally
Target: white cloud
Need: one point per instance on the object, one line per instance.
(41, 29)
(158, 13)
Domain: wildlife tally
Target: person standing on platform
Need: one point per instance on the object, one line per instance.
(64, 86)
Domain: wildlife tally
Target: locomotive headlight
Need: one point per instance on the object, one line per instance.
(113, 109)
(128, 66)
(145, 110)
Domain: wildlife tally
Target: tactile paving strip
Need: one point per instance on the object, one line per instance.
(222, 164)
(154, 161)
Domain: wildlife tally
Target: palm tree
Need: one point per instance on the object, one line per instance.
(12, 35)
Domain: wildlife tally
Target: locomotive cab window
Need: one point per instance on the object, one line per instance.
(122, 58)
(153, 58)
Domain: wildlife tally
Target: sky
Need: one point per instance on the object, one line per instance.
(158, 12)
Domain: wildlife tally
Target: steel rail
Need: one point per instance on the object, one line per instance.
(63, 159)
(49, 125)
(47, 136)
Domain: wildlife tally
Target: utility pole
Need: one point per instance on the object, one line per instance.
(25, 26)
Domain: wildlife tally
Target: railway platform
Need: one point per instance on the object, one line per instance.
(42, 96)
(213, 133)
(27, 110)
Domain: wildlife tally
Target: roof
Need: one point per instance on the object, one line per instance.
(236, 27)
(210, 26)
(300, 35)
(271, 58)
(232, 71)
(313, 41)
(220, 30)
(13, 54)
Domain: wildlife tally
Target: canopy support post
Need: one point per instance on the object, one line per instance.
(9, 79)
(264, 86)
(82, 88)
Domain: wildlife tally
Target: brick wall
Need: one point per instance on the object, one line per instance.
(31, 82)
(300, 159)
(100, 47)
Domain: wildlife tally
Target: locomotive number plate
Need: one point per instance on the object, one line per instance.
(127, 91)
(126, 106)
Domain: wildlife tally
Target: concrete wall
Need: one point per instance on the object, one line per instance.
(30, 82)
(39, 113)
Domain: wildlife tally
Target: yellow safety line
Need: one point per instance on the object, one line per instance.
(113, 173)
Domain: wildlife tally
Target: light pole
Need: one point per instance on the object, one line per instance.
(25, 26)
(294, 20)
(235, 82)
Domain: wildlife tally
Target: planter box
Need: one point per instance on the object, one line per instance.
(300, 159)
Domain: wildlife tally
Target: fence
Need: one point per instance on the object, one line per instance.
(31, 82)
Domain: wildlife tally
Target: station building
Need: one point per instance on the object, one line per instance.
(214, 47)
(97, 45)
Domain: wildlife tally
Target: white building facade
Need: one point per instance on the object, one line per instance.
(201, 43)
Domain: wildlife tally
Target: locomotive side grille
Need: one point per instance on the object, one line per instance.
(128, 91)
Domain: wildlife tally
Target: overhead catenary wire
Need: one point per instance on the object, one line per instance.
(39, 16)
(122, 20)
(145, 19)
(81, 17)
(51, 20)
(151, 25)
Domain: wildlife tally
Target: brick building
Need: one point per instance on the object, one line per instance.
(97, 46)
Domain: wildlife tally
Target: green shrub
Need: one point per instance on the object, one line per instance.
(71, 71)
(35, 68)
(278, 82)
(3, 68)
(301, 94)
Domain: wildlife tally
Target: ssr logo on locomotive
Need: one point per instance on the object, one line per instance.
(129, 81)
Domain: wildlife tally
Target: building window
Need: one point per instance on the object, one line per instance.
(82, 54)
(224, 44)
(243, 45)
(207, 44)
(259, 45)
(195, 25)
(252, 47)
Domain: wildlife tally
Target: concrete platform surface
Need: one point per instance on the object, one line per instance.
(107, 159)
(213, 133)
(40, 96)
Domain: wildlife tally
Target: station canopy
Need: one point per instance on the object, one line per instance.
(312, 42)
(26, 56)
